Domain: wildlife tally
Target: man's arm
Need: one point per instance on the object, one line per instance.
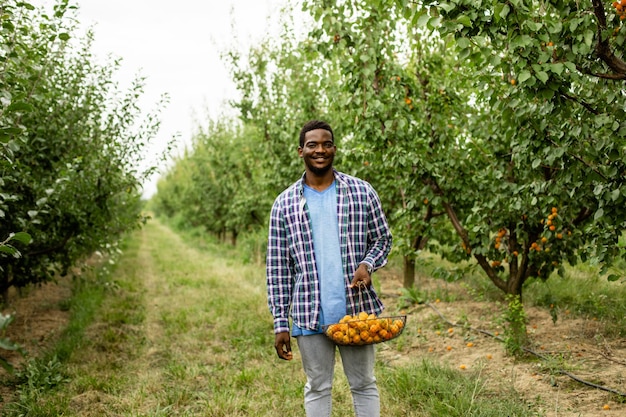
(278, 271)
(379, 238)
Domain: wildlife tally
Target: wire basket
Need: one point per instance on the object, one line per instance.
(364, 328)
(355, 331)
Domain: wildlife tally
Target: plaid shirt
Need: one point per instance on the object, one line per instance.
(292, 282)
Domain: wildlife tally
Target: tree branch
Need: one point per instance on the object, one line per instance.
(603, 49)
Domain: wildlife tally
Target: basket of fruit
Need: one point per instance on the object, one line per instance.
(365, 329)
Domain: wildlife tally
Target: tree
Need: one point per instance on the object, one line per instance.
(72, 146)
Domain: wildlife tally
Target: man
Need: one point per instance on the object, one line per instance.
(327, 234)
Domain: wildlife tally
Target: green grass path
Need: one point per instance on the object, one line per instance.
(183, 330)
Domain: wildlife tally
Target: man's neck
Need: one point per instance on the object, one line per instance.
(319, 183)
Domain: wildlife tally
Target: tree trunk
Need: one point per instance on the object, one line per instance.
(409, 271)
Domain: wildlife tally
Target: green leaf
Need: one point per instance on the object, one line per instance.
(22, 237)
(524, 75)
(504, 12)
(615, 194)
(542, 76)
(557, 68)
(599, 213)
(613, 277)
(423, 20)
(464, 20)
(463, 43)
(6, 248)
(20, 106)
(8, 344)
(64, 36)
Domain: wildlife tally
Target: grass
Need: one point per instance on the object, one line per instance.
(180, 328)
(582, 291)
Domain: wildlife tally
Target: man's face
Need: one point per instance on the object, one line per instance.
(318, 151)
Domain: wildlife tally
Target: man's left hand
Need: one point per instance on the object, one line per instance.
(361, 276)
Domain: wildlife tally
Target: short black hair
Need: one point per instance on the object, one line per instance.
(312, 125)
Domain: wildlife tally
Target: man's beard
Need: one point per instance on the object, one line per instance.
(320, 171)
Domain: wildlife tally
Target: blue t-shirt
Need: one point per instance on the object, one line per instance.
(322, 207)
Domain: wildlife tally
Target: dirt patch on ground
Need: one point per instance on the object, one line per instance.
(40, 316)
(563, 358)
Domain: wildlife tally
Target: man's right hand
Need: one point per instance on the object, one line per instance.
(282, 343)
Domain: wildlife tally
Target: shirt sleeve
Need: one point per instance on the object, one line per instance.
(379, 238)
(278, 271)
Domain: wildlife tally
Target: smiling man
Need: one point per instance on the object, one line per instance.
(327, 234)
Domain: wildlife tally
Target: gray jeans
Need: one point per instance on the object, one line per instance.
(318, 360)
